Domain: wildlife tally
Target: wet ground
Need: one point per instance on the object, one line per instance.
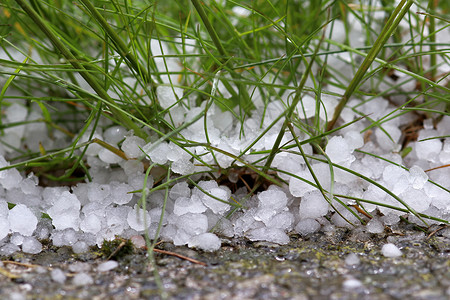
(317, 267)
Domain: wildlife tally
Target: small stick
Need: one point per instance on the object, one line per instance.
(245, 183)
(8, 274)
(11, 262)
(440, 167)
(116, 250)
(179, 256)
(360, 210)
(435, 231)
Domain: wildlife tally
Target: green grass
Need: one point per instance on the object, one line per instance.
(93, 61)
(97, 63)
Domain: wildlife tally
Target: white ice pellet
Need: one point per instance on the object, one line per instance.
(223, 120)
(16, 239)
(376, 107)
(132, 146)
(80, 247)
(155, 215)
(388, 137)
(29, 186)
(82, 279)
(185, 205)
(138, 219)
(65, 212)
(307, 226)
(354, 139)
(352, 284)
(416, 199)
(339, 151)
(417, 177)
(79, 267)
(109, 157)
(283, 220)
(22, 220)
(269, 140)
(136, 181)
(66, 237)
(16, 113)
(70, 236)
(440, 198)
(274, 199)
(205, 241)
(245, 222)
(93, 148)
(217, 204)
(91, 224)
(8, 249)
(343, 221)
(176, 116)
(98, 192)
(306, 108)
(336, 31)
(192, 224)
(81, 190)
(396, 178)
(273, 235)
(43, 229)
(120, 193)
(313, 205)
(180, 189)
(390, 219)
(115, 218)
(107, 266)
(428, 149)
(391, 250)
(12, 138)
(182, 167)
(114, 134)
(31, 245)
(167, 95)
(298, 187)
(352, 259)
(375, 226)
(322, 172)
(10, 179)
(58, 275)
(270, 203)
(176, 153)
(4, 222)
(224, 227)
(132, 166)
(51, 194)
(180, 237)
(158, 153)
(224, 160)
(138, 241)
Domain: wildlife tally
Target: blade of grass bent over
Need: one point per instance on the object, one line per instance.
(90, 79)
(118, 42)
(291, 109)
(386, 33)
(247, 105)
(7, 84)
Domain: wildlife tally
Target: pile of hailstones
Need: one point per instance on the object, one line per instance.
(109, 206)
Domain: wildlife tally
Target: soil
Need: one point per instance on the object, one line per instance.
(307, 268)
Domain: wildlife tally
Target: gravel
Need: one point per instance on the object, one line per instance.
(344, 264)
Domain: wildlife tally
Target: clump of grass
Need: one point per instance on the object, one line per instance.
(101, 62)
(98, 63)
(116, 248)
